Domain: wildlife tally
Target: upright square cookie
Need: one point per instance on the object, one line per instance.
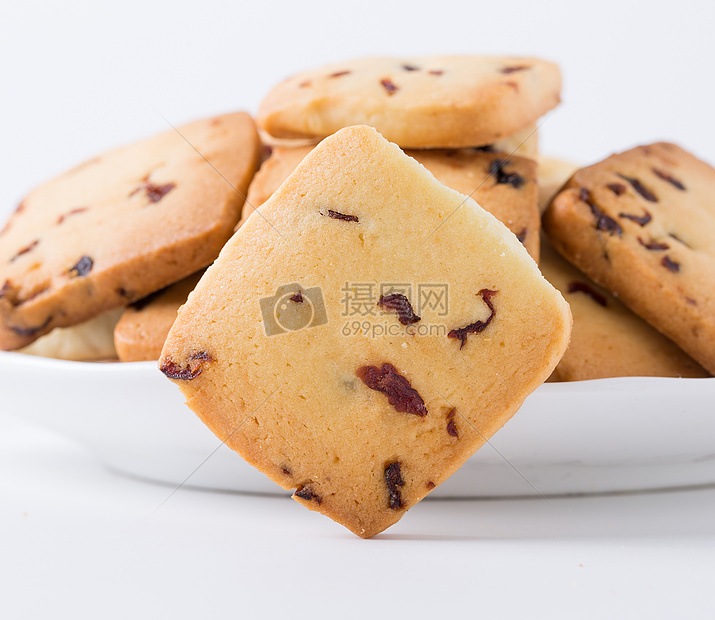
(641, 223)
(365, 336)
(506, 187)
(424, 102)
(123, 225)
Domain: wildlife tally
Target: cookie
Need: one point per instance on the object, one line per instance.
(123, 225)
(641, 224)
(506, 188)
(365, 337)
(425, 102)
(607, 339)
(552, 173)
(141, 331)
(91, 341)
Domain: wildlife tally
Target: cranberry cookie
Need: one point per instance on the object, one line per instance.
(641, 224)
(365, 336)
(426, 102)
(123, 225)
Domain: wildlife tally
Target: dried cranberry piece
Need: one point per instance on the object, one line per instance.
(451, 426)
(336, 215)
(666, 176)
(393, 480)
(156, 192)
(410, 68)
(307, 494)
(27, 332)
(76, 211)
(522, 235)
(25, 250)
(339, 73)
(194, 368)
(603, 222)
(670, 264)
(400, 304)
(389, 86)
(653, 245)
(496, 168)
(582, 287)
(478, 326)
(400, 394)
(641, 220)
(640, 188)
(508, 70)
(437, 72)
(297, 297)
(617, 188)
(82, 267)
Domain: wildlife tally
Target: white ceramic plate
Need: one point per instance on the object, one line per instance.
(583, 437)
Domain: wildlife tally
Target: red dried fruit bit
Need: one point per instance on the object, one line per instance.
(286, 471)
(339, 73)
(64, 216)
(653, 245)
(305, 493)
(507, 70)
(297, 297)
(640, 188)
(582, 287)
(142, 303)
(513, 85)
(522, 235)
(156, 192)
(400, 304)
(389, 87)
(410, 68)
(193, 370)
(666, 176)
(430, 485)
(336, 215)
(25, 250)
(670, 264)
(393, 480)
(496, 168)
(451, 426)
(304, 84)
(642, 220)
(27, 332)
(436, 72)
(478, 326)
(691, 301)
(400, 394)
(82, 267)
(603, 222)
(617, 188)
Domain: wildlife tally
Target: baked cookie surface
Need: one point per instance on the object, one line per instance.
(123, 225)
(641, 224)
(425, 102)
(140, 333)
(365, 336)
(506, 187)
(607, 339)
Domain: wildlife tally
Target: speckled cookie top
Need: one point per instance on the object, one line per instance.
(439, 101)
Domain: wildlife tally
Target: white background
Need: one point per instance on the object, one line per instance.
(76, 541)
